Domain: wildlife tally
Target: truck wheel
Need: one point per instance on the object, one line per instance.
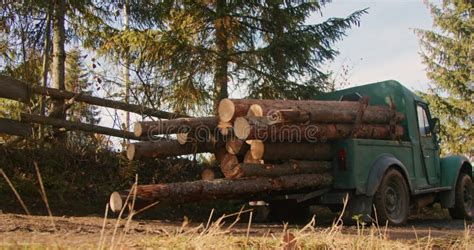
(392, 199)
(463, 198)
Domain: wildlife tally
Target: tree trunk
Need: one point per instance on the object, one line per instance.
(45, 66)
(59, 55)
(175, 126)
(297, 151)
(247, 130)
(126, 67)
(318, 111)
(165, 148)
(288, 168)
(246, 189)
(222, 60)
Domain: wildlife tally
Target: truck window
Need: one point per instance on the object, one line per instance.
(423, 123)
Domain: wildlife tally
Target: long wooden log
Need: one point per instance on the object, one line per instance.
(297, 151)
(13, 127)
(165, 148)
(68, 125)
(318, 111)
(17, 90)
(287, 168)
(247, 130)
(13, 89)
(175, 126)
(246, 189)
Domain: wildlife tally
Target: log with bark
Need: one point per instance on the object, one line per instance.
(246, 129)
(165, 148)
(13, 127)
(68, 125)
(246, 188)
(17, 90)
(317, 111)
(175, 126)
(288, 168)
(297, 151)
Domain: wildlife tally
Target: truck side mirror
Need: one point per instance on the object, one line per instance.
(435, 125)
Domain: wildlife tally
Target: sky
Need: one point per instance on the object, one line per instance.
(385, 45)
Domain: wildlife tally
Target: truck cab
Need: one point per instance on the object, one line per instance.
(395, 176)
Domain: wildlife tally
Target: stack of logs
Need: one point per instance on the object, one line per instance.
(268, 145)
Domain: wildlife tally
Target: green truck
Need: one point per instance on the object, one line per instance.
(386, 178)
(396, 176)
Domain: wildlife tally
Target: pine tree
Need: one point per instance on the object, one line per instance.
(77, 81)
(264, 47)
(449, 59)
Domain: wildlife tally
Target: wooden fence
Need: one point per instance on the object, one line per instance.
(22, 92)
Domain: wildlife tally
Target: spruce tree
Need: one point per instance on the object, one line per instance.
(449, 59)
(77, 80)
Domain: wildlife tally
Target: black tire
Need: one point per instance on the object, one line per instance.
(392, 200)
(463, 204)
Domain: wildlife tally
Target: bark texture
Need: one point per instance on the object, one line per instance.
(165, 148)
(288, 168)
(245, 189)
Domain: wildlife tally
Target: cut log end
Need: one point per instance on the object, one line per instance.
(115, 202)
(255, 110)
(233, 146)
(241, 128)
(208, 175)
(229, 166)
(248, 159)
(130, 151)
(182, 138)
(137, 129)
(257, 148)
(226, 110)
(224, 128)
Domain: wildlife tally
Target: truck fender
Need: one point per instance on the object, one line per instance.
(378, 169)
(450, 168)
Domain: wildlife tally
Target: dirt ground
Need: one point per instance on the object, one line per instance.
(76, 232)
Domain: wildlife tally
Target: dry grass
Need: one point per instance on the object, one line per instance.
(220, 233)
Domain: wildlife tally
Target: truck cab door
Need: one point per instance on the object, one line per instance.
(429, 146)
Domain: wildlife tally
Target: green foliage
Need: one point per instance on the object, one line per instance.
(77, 81)
(449, 60)
(198, 47)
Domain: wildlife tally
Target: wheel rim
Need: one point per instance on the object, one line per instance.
(393, 201)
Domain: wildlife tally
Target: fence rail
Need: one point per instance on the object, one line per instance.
(22, 92)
